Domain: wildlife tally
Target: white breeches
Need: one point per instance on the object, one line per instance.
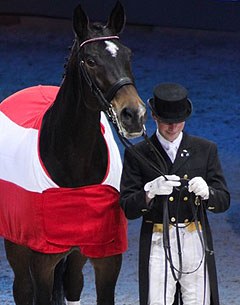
(192, 284)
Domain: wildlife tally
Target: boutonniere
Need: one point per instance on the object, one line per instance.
(184, 153)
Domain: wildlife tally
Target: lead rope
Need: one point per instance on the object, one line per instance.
(168, 255)
(209, 251)
(127, 144)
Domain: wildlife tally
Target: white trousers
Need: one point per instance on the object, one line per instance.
(192, 284)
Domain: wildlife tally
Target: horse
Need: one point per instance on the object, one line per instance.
(74, 155)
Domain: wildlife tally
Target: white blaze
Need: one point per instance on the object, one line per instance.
(112, 48)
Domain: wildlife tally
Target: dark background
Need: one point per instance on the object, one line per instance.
(201, 14)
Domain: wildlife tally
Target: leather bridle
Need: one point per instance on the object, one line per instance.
(104, 99)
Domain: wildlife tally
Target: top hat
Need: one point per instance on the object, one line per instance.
(170, 103)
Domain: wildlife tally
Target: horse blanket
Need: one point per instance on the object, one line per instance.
(35, 211)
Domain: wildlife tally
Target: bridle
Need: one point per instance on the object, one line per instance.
(105, 101)
(104, 98)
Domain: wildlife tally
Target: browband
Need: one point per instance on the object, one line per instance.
(97, 39)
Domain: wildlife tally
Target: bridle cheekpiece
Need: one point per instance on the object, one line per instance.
(104, 99)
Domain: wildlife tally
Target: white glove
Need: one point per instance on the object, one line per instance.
(199, 187)
(161, 186)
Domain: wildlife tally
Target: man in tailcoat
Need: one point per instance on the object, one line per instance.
(172, 181)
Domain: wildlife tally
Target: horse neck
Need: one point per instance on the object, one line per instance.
(71, 140)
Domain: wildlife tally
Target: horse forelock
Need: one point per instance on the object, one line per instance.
(97, 26)
(97, 29)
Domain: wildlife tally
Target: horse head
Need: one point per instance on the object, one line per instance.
(105, 67)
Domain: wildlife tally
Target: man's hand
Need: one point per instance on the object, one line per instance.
(161, 186)
(199, 187)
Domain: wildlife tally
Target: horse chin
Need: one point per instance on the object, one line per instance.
(131, 135)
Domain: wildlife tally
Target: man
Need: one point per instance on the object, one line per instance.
(171, 181)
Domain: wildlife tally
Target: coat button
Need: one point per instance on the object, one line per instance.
(171, 198)
(185, 198)
(185, 176)
(173, 219)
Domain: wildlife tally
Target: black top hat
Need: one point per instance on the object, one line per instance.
(170, 103)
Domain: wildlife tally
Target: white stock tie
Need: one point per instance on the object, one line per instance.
(171, 151)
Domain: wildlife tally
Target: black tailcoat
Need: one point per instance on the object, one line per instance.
(195, 157)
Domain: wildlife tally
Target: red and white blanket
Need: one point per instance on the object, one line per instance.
(36, 212)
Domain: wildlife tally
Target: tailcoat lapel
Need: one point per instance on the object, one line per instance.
(184, 154)
(154, 157)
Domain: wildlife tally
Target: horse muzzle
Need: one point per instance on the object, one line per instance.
(132, 121)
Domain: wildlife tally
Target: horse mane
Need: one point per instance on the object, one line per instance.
(71, 54)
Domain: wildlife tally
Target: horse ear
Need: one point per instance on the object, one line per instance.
(80, 22)
(117, 19)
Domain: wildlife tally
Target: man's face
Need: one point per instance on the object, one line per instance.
(170, 131)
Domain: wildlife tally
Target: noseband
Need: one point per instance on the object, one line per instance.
(104, 99)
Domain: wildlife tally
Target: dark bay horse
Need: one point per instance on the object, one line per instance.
(74, 154)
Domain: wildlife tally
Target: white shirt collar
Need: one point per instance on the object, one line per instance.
(171, 148)
(167, 144)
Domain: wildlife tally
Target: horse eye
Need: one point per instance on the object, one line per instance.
(90, 62)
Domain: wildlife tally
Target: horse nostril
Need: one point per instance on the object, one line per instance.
(127, 116)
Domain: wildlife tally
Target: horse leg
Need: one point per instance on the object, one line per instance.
(58, 295)
(73, 280)
(106, 274)
(42, 268)
(19, 258)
